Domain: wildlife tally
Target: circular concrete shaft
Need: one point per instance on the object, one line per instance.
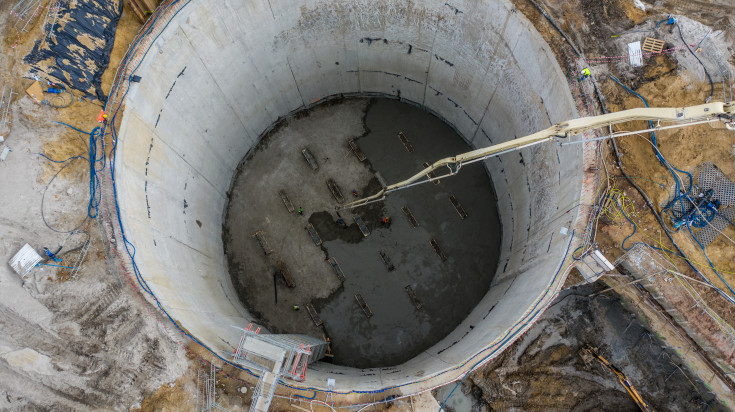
(223, 72)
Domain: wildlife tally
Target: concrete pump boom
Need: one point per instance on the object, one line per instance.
(680, 117)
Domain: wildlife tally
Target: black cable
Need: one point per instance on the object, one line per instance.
(711, 84)
(553, 23)
(43, 198)
(63, 105)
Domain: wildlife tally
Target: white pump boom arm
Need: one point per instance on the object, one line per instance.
(680, 117)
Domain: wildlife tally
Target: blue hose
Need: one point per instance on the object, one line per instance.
(96, 164)
(678, 196)
(60, 161)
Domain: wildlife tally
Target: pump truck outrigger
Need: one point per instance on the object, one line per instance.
(678, 117)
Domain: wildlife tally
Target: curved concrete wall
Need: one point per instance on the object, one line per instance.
(223, 72)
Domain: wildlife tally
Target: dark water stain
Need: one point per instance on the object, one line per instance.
(330, 229)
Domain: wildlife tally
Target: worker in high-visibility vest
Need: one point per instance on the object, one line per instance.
(585, 74)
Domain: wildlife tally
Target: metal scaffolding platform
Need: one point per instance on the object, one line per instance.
(207, 390)
(273, 357)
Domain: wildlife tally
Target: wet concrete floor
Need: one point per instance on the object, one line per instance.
(448, 289)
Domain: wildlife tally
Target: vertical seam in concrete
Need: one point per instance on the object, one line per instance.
(271, 7)
(359, 74)
(296, 83)
(214, 79)
(223, 194)
(428, 69)
(501, 36)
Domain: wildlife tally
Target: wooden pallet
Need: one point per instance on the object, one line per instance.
(439, 252)
(414, 299)
(286, 201)
(386, 261)
(363, 305)
(652, 45)
(314, 235)
(310, 159)
(363, 227)
(406, 143)
(260, 236)
(142, 8)
(430, 175)
(359, 154)
(337, 269)
(314, 315)
(336, 191)
(285, 274)
(409, 215)
(458, 207)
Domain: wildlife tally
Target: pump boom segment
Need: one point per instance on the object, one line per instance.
(679, 117)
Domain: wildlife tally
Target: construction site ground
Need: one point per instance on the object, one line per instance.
(92, 343)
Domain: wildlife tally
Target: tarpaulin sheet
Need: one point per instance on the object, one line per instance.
(78, 51)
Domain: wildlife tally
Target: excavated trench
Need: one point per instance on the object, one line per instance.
(221, 76)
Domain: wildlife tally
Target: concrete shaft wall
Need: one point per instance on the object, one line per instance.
(223, 72)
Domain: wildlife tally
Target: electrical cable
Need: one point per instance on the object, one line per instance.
(43, 198)
(60, 161)
(709, 77)
(96, 142)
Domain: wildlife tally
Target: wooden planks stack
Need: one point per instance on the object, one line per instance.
(142, 8)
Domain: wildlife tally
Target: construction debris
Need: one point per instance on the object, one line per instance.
(5, 99)
(207, 390)
(4, 153)
(142, 8)
(25, 11)
(634, 54)
(25, 260)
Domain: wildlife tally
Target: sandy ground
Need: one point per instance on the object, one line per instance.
(89, 344)
(66, 343)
